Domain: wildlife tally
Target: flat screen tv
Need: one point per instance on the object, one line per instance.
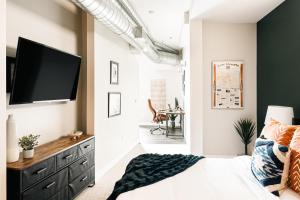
(43, 74)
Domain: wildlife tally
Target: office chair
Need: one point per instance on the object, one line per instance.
(157, 118)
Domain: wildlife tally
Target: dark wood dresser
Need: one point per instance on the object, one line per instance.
(60, 170)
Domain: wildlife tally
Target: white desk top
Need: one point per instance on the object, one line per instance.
(167, 111)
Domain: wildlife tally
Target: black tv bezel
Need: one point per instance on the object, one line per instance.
(10, 64)
(75, 86)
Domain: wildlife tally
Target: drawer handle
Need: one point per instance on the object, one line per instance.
(50, 185)
(87, 146)
(83, 179)
(41, 170)
(84, 162)
(68, 156)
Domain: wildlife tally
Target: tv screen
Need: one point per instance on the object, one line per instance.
(43, 73)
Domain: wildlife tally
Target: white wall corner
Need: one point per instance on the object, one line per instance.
(105, 169)
(3, 99)
(196, 86)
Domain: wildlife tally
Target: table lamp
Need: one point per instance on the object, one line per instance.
(282, 114)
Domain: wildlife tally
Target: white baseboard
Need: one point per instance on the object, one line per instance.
(110, 165)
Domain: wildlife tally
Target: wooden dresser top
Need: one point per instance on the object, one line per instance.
(46, 151)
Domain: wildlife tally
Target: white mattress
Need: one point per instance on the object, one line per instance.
(210, 179)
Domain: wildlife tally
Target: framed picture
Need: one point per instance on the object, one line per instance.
(114, 73)
(114, 104)
(227, 85)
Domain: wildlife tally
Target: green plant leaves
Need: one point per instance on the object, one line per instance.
(28, 142)
(245, 128)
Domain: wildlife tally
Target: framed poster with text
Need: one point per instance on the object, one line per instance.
(227, 84)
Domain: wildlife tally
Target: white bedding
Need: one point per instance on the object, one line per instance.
(210, 179)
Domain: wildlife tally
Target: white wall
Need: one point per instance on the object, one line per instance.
(2, 100)
(148, 71)
(222, 41)
(57, 24)
(185, 43)
(116, 135)
(196, 87)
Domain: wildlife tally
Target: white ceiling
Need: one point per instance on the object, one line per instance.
(233, 11)
(166, 22)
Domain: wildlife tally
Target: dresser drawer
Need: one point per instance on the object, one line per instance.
(81, 182)
(38, 172)
(66, 157)
(61, 195)
(82, 165)
(47, 188)
(86, 147)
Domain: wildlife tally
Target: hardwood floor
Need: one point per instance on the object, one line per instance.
(105, 184)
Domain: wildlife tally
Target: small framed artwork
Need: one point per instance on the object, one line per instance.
(114, 104)
(227, 85)
(114, 73)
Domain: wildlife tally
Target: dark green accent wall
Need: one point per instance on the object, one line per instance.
(278, 59)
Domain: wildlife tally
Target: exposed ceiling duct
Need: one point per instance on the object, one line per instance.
(120, 17)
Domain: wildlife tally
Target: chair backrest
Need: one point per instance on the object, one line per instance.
(151, 108)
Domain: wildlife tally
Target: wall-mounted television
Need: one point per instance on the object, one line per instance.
(43, 73)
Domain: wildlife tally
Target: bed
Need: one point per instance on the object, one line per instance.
(210, 179)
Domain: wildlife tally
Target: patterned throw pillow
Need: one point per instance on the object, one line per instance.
(281, 133)
(294, 177)
(270, 164)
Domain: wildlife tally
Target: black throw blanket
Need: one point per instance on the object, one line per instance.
(147, 169)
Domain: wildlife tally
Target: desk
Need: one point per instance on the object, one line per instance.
(181, 113)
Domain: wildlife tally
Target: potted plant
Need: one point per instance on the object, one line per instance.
(28, 143)
(173, 116)
(245, 128)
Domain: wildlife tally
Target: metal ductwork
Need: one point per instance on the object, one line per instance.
(120, 17)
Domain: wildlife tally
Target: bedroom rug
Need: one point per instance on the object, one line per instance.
(147, 169)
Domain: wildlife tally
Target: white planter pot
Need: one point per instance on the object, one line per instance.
(12, 154)
(28, 153)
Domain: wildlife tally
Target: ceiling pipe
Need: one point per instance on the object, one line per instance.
(122, 20)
